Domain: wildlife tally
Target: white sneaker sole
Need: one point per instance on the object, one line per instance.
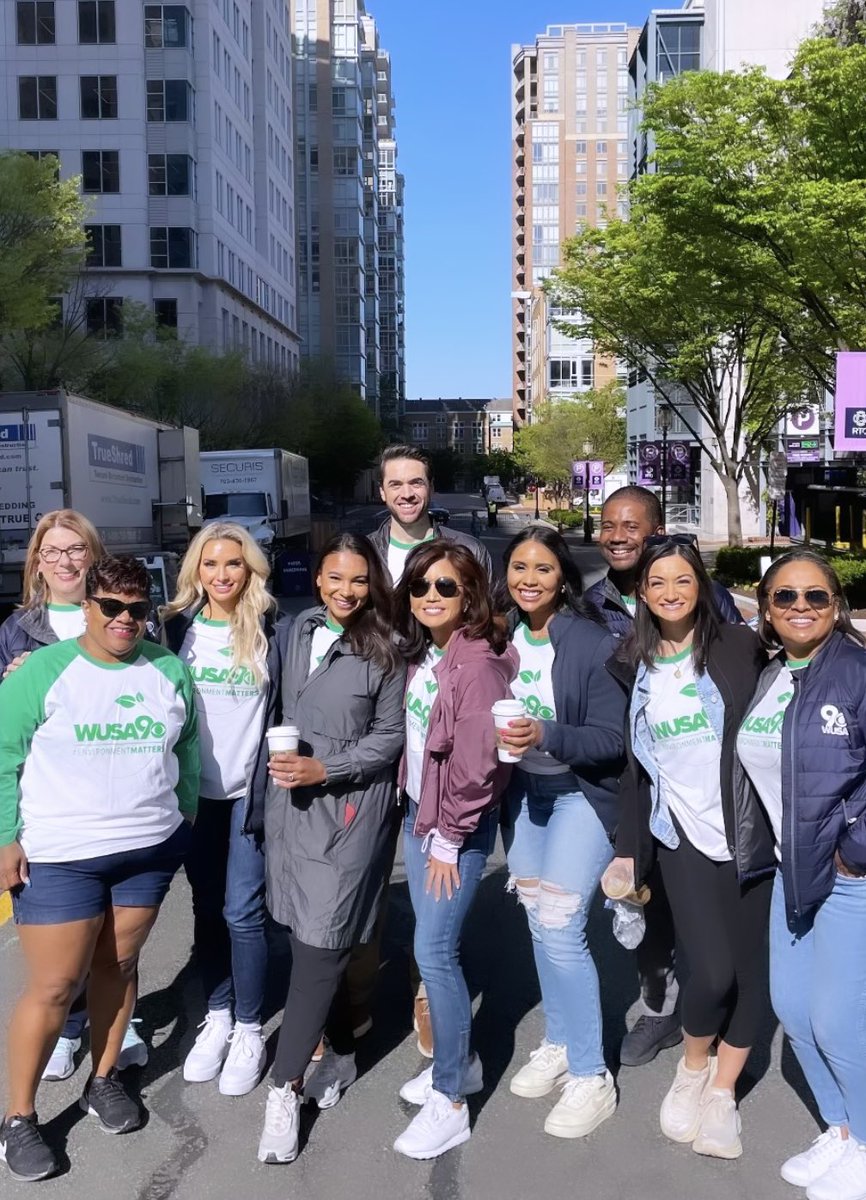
(715, 1150)
(273, 1157)
(193, 1073)
(570, 1130)
(423, 1155)
(241, 1087)
(534, 1091)
(26, 1178)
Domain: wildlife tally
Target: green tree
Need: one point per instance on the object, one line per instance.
(845, 21)
(42, 241)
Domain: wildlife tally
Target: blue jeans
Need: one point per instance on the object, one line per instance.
(438, 926)
(554, 839)
(818, 989)
(226, 871)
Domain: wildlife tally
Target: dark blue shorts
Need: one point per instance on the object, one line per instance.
(88, 887)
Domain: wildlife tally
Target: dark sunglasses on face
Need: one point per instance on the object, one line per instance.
(446, 587)
(817, 598)
(138, 609)
(671, 539)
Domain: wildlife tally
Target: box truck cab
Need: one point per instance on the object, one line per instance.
(265, 491)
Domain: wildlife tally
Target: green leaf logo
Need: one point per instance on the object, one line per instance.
(527, 677)
(227, 651)
(128, 701)
(784, 698)
(691, 689)
(537, 677)
(431, 687)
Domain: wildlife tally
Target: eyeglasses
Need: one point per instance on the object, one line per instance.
(110, 608)
(671, 539)
(53, 554)
(446, 587)
(816, 598)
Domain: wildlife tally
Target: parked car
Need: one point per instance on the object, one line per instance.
(440, 514)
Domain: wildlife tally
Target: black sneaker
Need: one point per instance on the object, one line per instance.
(23, 1149)
(105, 1097)
(650, 1034)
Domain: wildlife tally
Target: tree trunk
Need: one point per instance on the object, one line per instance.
(735, 524)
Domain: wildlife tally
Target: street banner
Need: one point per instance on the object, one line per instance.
(850, 421)
(679, 463)
(596, 476)
(649, 459)
(579, 475)
(803, 434)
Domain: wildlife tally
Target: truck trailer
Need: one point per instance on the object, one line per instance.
(266, 491)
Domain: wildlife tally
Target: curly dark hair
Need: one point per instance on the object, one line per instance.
(369, 631)
(124, 576)
(479, 622)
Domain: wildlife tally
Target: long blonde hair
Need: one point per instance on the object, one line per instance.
(248, 641)
(35, 590)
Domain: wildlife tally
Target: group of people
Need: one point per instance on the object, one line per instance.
(720, 769)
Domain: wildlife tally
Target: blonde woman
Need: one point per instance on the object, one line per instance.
(221, 626)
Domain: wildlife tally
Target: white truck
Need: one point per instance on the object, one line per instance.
(266, 491)
(136, 479)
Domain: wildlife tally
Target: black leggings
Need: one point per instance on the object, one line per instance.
(723, 930)
(317, 1001)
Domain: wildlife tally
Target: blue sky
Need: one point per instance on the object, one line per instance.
(451, 66)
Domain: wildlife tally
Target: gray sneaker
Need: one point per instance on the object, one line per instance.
(649, 1036)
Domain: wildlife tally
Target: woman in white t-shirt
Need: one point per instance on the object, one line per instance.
(220, 624)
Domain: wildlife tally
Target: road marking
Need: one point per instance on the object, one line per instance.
(5, 908)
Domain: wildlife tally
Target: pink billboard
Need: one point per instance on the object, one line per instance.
(850, 401)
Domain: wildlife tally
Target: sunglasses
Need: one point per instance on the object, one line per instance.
(445, 587)
(138, 609)
(816, 598)
(670, 539)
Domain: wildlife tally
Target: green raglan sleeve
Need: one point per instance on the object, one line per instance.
(22, 711)
(186, 748)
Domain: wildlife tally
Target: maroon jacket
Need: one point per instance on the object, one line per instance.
(462, 776)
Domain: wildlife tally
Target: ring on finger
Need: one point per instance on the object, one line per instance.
(291, 779)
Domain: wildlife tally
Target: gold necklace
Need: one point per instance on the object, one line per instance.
(678, 670)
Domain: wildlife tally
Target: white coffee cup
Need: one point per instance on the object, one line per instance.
(503, 712)
(283, 739)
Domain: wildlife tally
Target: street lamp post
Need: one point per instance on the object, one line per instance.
(537, 513)
(663, 422)
(587, 519)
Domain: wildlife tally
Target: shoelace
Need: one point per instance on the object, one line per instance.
(109, 1088)
(209, 1027)
(26, 1132)
(279, 1110)
(572, 1087)
(243, 1042)
(545, 1055)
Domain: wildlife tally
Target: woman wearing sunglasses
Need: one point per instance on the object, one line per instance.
(560, 816)
(329, 821)
(452, 782)
(221, 625)
(98, 768)
(803, 745)
(691, 679)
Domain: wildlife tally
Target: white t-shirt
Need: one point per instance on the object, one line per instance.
(759, 745)
(630, 604)
(687, 754)
(230, 706)
(398, 552)
(323, 639)
(534, 686)
(420, 694)
(67, 620)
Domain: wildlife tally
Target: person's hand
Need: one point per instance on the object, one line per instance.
(292, 770)
(441, 875)
(521, 734)
(846, 871)
(16, 663)
(13, 867)
(618, 879)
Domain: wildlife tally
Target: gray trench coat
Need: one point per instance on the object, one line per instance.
(327, 848)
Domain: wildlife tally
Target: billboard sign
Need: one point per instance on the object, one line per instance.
(850, 420)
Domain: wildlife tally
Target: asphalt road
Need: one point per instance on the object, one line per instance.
(198, 1144)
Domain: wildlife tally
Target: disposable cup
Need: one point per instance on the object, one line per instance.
(283, 739)
(504, 711)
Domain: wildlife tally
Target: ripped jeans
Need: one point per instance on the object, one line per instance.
(557, 852)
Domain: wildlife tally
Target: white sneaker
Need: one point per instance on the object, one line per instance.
(420, 1089)
(846, 1179)
(547, 1066)
(680, 1113)
(825, 1151)
(210, 1048)
(330, 1079)
(61, 1064)
(279, 1140)
(438, 1127)
(586, 1101)
(245, 1062)
(133, 1051)
(719, 1125)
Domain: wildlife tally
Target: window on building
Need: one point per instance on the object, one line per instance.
(168, 100)
(678, 48)
(37, 97)
(100, 170)
(105, 316)
(98, 97)
(96, 24)
(172, 247)
(35, 22)
(103, 245)
(40, 154)
(171, 175)
(165, 312)
(165, 25)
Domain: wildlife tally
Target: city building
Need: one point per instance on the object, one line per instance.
(349, 200)
(570, 155)
(466, 426)
(716, 35)
(178, 120)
